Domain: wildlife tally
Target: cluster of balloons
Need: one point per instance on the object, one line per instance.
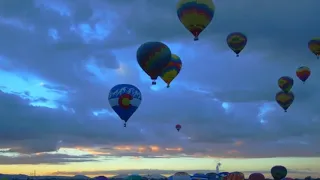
(277, 172)
(285, 97)
(157, 60)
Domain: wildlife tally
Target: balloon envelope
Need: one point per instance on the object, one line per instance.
(181, 176)
(236, 42)
(134, 177)
(178, 127)
(278, 172)
(235, 176)
(153, 57)
(101, 178)
(285, 99)
(314, 46)
(199, 176)
(195, 15)
(303, 73)
(256, 176)
(285, 83)
(125, 100)
(172, 70)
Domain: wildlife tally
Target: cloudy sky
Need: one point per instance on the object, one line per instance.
(59, 59)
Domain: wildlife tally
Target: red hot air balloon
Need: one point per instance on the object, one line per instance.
(178, 127)
(303, 73)
(256, 176)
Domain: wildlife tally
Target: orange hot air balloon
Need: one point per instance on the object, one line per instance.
(235, 176)
(303, 73)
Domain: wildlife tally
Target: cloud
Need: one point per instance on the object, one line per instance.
(44, 159)
(224, 104)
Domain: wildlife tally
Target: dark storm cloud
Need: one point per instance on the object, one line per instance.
(211, 75)
(44, 159)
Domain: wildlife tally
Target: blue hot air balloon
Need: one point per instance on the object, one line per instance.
(125, 100)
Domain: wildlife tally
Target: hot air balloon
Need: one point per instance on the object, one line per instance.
(285, 83)
(195, 15)
(303, 73)
(314, 46)
(287, 178)
(284, 99)
(212, 176)
(153, 57)
(235, 176)
(199, 176)
(101, 178)
(222, 175)
(125, 100)
(171, 70)
(181, 176)
(256, 176)
(278, 172)
(134, 177)
(178, 127)
(236, 42)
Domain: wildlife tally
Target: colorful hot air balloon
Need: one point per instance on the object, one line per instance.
(303, 73)
(172, 70)
(178, 127)
(278, 172)
(236, 42)
(285, 83)
(314, 46)
(256, 176)
(125, 100)
(153, 57)
(235, 176)
(195, 15)
(285, 99)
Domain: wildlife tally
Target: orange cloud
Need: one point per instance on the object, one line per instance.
(238, 143)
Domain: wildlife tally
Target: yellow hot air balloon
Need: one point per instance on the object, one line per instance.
(172, 70)
(314, 46)
(195, 15)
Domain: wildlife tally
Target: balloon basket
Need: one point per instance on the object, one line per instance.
(153, 83)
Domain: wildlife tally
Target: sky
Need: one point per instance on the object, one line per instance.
(59, 59)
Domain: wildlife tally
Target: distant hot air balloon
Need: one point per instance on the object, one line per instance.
(285, 83)
(195, 15)
(172, 70)
(153, 57)
(236, 42)
(284, 99)
(125, 100)
(256, 176)
(278, 172)
(314, 46)
(181, 176)
(235, 176)
(303, 73)
(178, 127)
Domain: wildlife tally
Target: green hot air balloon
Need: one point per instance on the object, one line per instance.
(278, 172)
